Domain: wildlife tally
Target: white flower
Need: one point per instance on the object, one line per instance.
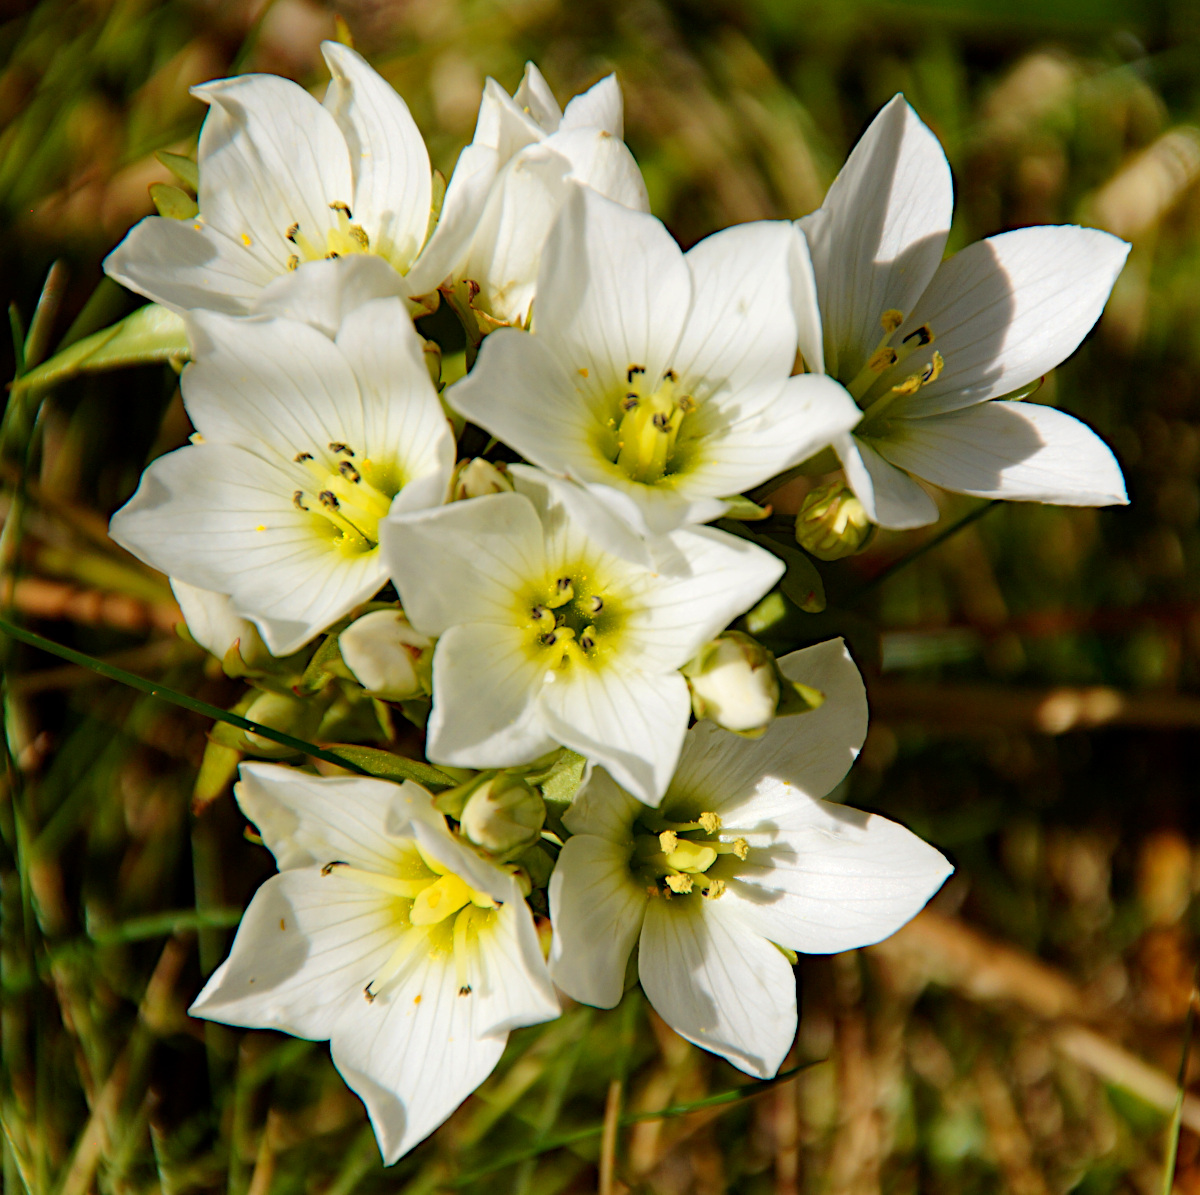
(285, 180)
(303, 444)
(741, 859)
(382, 933)
(557, 625)
(657, 378)
(514, 177)
(922, 344)
(387, 655)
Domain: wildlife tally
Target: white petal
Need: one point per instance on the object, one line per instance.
(890, 497)
(307, 820)
(879, 235)
(722, 576)
(213, 622)
(415, 1054)
(740, 332)
(535, 97)
(222, 519)
(632, 722)
(270, 156)
(306, 947)
(502, 124)
(603, 162)
(805, 304)
(465, 562)
(1006, 310)
(717, 983)
(506, 248)
(613, 290)
(322, 293)
(833, 878)
(602, 808)
(185, 264)
(1021, 451)
(809, 753)
(485, 684)
(601, 106)
(388, 158)
(596, 908)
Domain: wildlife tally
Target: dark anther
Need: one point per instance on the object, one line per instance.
(370, 995)
(332, 256)
(596, 604)
(661, 421)
(329, 498)
(671, 376)
(293, 262)
(291, 232)
(465, 990)
(587, 642)
(332, 864)
(563, 584)
(298, 500)
(922, 335)
(629, 402)
(338, 446)
(550, 640)
(633, 369)
(338, 206)
(348, 471)
(301, 457)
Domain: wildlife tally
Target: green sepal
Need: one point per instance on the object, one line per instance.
(172, 203)
(563, 780)
(795, 698)
(151, 334)
(389, 766)
(320, 670)
(453, 800)
(217, 769)
(184, 169)
(416, 710)
(538, 862)
(791, 956)
(741, 508)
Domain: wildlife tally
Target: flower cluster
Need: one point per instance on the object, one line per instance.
(619, 787)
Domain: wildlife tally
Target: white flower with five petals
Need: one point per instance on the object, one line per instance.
(286, 180)
(557, 625)
(659, 379)
(741, 859)
(515, 176)
(304, 443)
(385, 935)
(923, 344)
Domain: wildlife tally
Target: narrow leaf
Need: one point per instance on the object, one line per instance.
(184, 169)
(172, 203)
(389, 766)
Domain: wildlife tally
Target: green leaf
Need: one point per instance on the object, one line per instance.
(319, 672)
(182, 168)
(742, 508)
(171, 202)
(150, 334)
(389, 766)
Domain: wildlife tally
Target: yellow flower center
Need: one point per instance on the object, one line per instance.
(341, 241)
(647, 433)
(346, 495)
(864, 387)
(571, 617)
(672, 859)
(434, 908)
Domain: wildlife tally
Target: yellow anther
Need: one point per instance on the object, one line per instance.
(922, 335)
(714, 889)
(935, 368)
(741, 848)
(680, 883)
(542, 618)
(668, 840)
(891, 319)
(910, 385)
(710, 822)
(881, 359)
(564, 592)
(293, 262)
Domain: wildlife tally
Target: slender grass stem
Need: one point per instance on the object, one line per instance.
(1173, 1129)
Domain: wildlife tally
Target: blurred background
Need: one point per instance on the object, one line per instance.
(1034, 678)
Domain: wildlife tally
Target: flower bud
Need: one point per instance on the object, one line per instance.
(281, 711)
(832, 523)
(734, 683)
(387, 656)
(504, 815)
(475, 478)
(214, 624)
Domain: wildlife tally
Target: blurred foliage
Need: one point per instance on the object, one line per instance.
(1035, 679)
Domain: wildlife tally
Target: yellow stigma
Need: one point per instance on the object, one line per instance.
(642, 437)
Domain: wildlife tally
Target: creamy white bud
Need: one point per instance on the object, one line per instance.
(504, 815)
(475, 478)
(387, 656)
(214, 625)
(734, 684)
(832, 523)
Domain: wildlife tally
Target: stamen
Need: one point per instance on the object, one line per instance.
(293, 262)
(891, 319)
(882, 359)
(349, 472)
(668, 840)
(680, 882)
(339, 447)
(564, 592)
(338, 206)
(632, 371)
(293, 229)
(710, 822)
(588, 639)
(298, 500)
(393, 885)
(596, 604)
(462, 923)
(302, 457)
(328, 868)
(714, 889)
(542, 618)
(329, 498)
(923, 336)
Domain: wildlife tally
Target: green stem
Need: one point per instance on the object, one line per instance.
(725, 1097)
(165, 694)
(1172, 1148)
(919, 551)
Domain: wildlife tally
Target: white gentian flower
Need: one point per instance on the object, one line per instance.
(385, 935)
(557, 625)
(514, 177)
(923, 344)
(660, 379)
(302, 445)
(286, 180)
(741, 864)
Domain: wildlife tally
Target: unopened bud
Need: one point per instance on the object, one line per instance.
(388, 656)
(504, 815)
(214, 624)
(476, 478)
(734, 684)
(281, 711)
(832, 523)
